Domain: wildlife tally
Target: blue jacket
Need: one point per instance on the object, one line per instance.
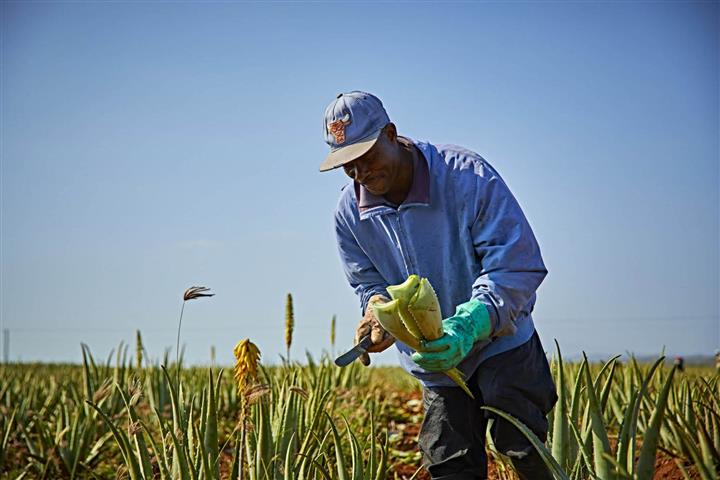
(460, 227)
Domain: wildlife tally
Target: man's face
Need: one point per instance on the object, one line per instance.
(377, 169)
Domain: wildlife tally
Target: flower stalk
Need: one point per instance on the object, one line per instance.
(247, 356)
(190, 294)
(332, 335)
(289, 324)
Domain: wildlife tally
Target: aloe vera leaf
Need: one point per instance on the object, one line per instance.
(286, 435)
(575, 411)
(263, 450)
(339, 455)
(178, 420)
(164, 439)
(646, 462)
(415, 475)
(403, 294)
(605, 392)
(404, 291)
(182, 460)
(193, 439)
(139, 440)
(425, 309)
(706, 448)
(356, 453)
(317, 411)
(684, 472)
(202, 464)
(389, 317)
(162, 464)
(288, 473)
(618, 470)
(561, 433)
(88, 383)
(607, 365)
(689, 445)
(123, 442)
(235, 466)
(542, 450)
(381, 472)
(409, 321)
(601, 444)
(98, 448)
(584, 454)
(577, 389)
(636, 411)
(319, 468)
(624, 436)
(211, 426)
(175, 402)
(457, 377)
(373, 447)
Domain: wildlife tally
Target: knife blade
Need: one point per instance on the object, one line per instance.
(348, 357)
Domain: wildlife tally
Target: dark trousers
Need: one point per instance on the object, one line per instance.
(452, 437)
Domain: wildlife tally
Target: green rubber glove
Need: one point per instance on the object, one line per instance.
(470, 323)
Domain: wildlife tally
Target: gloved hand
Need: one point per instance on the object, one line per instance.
(370, 326)
(470, 323)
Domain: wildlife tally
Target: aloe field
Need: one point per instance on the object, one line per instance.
(131, 416)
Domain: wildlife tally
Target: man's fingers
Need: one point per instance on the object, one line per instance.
(383, 345)
(377, 334)
(363, 330)
(379, 338)
(427, 361)
(365, 359)
(434, 362)
(439, 345)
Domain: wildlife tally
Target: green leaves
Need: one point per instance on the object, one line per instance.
(645, 398)
(561, 429)
(545, 454)
(601, 444)
(646, 463)
(317, 421)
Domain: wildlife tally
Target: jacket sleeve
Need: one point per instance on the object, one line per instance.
(359, 270)
(511, 267)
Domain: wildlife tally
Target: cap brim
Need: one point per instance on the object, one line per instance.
(347, 154)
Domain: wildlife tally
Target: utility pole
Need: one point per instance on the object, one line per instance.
(6, 345)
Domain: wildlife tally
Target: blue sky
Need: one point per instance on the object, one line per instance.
(148, 147)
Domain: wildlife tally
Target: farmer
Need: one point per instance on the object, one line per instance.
(443, 212)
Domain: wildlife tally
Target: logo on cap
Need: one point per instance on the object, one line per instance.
(337, 128)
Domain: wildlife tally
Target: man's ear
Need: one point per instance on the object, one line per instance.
(390, 132)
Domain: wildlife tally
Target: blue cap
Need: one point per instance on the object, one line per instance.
(353, 122)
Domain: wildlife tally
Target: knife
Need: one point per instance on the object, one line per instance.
(348, 357)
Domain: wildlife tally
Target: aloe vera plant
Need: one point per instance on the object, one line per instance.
(141, 423)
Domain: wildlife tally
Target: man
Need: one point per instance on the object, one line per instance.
(442, 212)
